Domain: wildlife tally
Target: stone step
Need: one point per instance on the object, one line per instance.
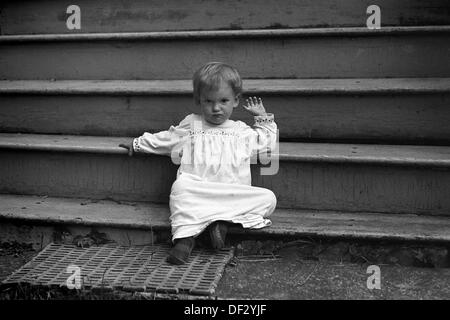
(318, 176)
(44, 16)
(35, 213)
(314, 110)
(390, 52)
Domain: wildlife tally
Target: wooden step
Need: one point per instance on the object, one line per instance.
(314, 110)
(424, 156)
(32, 210)
(319, 176)
(36, 17)
(390, 52)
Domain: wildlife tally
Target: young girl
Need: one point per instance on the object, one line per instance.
(213, 185)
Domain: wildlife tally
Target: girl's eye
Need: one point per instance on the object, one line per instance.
(224, 100)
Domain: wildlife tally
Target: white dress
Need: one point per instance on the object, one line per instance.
(214, 179)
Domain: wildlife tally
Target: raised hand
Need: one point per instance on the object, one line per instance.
(255, 106)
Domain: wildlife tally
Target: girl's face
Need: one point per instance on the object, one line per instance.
(217, 105)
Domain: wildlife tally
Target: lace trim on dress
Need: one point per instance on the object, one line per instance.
(136, 145)
(269, 118)
(213, 133)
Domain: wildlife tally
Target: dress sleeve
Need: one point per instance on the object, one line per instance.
(263, 135)
(164, 141)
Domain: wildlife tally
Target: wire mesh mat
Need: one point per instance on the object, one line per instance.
(129, 268)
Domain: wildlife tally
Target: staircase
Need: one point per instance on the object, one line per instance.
(364, 115)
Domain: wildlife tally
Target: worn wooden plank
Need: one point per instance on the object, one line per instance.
(379, 226)
(347, 110)
(148, 216)
(405, 155)
(320, 185)
(367, 154)
(226, 34)
(251, 86)
(46, 16)
(82, 211)
(415, 119)
(381, 55)
(90, 175)
(63, 143)
(359, 187)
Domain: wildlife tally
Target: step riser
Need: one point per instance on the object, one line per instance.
(320, 186)
(116, 16)
(39, 235)
(307, 57)
(419, 118)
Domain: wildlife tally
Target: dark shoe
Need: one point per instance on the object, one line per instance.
(181, 251)
(218, 232)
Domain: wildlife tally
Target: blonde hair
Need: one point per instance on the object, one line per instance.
(212, 74)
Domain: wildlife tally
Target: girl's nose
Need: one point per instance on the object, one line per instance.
(216, 107)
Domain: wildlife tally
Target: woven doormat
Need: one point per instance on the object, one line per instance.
(128, 268)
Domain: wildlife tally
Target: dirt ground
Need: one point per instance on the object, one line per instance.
(12, 257)
(278, 270)
(311, 269)
(290, 278)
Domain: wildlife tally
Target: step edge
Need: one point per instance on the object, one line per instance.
(269, 86)
(306, 232)
(349, 235)
(281, 156)
(249, 33)
(79, 222)
(367, 161)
